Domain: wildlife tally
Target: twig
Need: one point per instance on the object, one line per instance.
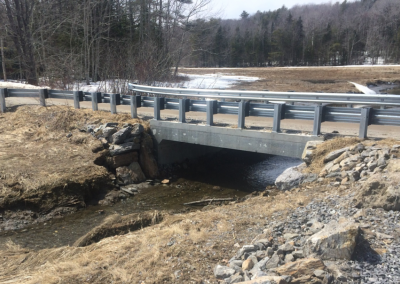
(209, 201)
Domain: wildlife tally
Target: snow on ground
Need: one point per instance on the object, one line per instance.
(363, 89)
(17, 85)
(213, 81)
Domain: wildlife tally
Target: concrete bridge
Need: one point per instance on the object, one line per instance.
(178, 139)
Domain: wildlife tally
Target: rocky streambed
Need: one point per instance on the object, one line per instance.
(348, 238)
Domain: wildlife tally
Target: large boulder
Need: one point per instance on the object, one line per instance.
(290, 178)
(336, 241)
(122, 160)
(123, 148)
(131, 174)
(301, 267)
(377, 193)
(120, 136)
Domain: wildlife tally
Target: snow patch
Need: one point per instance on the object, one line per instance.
(363, 89)
(213, 81)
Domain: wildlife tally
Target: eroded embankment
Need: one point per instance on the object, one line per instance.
(52, 162)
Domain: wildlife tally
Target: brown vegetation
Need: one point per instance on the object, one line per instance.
(307, 79)
(41, 167)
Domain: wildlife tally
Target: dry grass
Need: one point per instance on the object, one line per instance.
(36, 156)
(306, 79)
(337, 143)
(192, 243)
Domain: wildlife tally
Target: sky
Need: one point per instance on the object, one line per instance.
(231, 9)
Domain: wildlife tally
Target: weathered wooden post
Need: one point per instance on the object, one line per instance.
(43, 95)
(277, 118)
(317, 120)
(241, 114)
(364, 122)
(3, 95)
(113, 103)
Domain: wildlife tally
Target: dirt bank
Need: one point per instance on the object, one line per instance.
(49, 163)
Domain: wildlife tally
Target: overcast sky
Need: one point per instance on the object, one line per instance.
(231, 9)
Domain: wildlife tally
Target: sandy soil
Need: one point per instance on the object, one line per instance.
(307, 79)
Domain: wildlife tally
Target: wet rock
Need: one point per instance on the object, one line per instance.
(131, 174)
(290, 178)
(301, 267)
(222, 272)
(120, 136)
(336, 241)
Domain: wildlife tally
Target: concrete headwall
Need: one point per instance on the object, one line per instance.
(281, 144)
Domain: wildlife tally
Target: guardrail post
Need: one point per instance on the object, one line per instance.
(43, 95)
(157, 108)
(317, 120)
(134, 106)
(78, 96)
(182, 110)
(113, 103)
(277, 118)
(210, 113)
(95, 106)
(3, 95)
(364, 122)
(241, 114)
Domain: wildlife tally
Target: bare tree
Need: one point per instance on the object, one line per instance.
(19, 14)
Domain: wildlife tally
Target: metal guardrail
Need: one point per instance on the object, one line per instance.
(330, 98)
(318, 113)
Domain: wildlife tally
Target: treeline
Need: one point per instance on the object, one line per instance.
(61, 41)
(309, 35)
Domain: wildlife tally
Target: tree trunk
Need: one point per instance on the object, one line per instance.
(3, 59)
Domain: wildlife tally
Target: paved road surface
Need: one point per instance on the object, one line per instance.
(256, 123)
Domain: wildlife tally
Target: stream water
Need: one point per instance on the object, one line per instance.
(226, 174)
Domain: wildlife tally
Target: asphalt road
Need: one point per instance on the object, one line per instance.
(227, 120)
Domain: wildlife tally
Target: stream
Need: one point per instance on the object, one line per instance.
(226, 174)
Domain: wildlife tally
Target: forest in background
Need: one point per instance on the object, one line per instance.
(61, 41)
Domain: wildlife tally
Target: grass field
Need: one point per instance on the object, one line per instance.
(307, 79)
